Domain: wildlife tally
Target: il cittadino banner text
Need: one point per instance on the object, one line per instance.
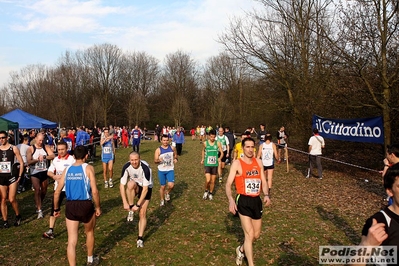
(359, 130)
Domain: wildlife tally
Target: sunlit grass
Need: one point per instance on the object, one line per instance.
(305, 213)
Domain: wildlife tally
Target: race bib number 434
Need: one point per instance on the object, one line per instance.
(252, 186)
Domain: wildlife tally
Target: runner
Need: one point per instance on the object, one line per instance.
(268, 150)
(224, 141)
(210, 151)
(137, 175)
(165, 156)
(107, 157)
(10, 173)
(249, 180)
(63, 160)
(80, 191)
(37, 156)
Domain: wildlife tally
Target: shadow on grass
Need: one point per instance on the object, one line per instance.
(290, 256)
(341, 224)
(233, 226)
(155, 219)
(161, 214)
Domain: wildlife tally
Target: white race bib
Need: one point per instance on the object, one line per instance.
(5, 167)
(211, 160)
(107, 150)
(252, 186)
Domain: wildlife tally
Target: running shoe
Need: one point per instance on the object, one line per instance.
(105, 184)
(6, 225)
(220, 180)
(162, 203)
(96, 261)
(240, 256)
(130, 216)
(39, 214)
(210, 196)
(111, 184)
(49, 234)
(205, 196)
(18, 221)
(140, 243)
(167, 197)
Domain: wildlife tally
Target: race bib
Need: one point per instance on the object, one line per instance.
(41, 166)
(5, 167)
(167, 162)
(252, 186)
(211, 160)
(107, 150)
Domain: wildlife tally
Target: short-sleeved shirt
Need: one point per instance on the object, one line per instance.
(142, 175)
(316, 142)
(58, 166)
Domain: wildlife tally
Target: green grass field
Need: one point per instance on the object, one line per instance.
(305, 213)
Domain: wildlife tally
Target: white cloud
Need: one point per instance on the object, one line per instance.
(45, 29)
(65, 16)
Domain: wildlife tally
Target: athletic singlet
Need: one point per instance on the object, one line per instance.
(6, 162)
(136, 135)
(167, 159)
(267, 154)
(211, 154)
(249, 183)
(106, 151)
(223, 141)
(38, 166)
(77, 184)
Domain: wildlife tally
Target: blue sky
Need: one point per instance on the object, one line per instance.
(39, 32)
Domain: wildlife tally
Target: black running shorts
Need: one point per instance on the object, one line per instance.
(149, 193)
(249, 206)
(79, 210)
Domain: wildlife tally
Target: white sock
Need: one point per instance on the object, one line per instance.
(89, 258)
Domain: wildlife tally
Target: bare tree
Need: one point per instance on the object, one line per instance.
(139, 76)
(179, 86)
(282, 43)
(102, 63)
(367, 42)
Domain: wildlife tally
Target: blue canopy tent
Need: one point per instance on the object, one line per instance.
(27, 120)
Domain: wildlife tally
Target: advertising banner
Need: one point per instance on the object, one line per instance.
(369, 130)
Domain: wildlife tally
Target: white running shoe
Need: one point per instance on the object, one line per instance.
(130, 216)
(167, 197)
(240, 256)
(110, 183)
(140, 243)
(162, 203)
(205, 196)
(220, 180)
(105, 184)
(210, 196)
(39, 214)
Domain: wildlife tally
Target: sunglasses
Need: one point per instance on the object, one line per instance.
(3, 137)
